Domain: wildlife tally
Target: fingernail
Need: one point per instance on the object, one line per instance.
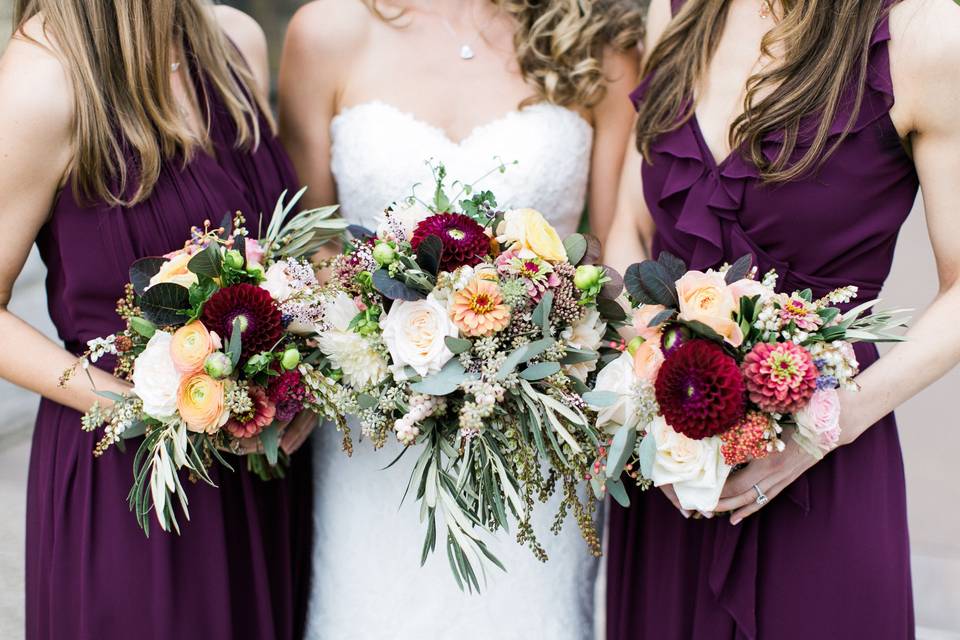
(707, 514)
(686, 514)
(735, 521)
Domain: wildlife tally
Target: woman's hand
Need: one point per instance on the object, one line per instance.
(292, 436)
(772, 474)
(671, 494)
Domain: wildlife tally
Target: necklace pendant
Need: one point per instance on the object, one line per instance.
(765, 9)
(466, 52)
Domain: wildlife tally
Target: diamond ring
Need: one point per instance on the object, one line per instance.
(762, 498)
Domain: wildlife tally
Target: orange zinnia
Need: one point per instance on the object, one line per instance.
(478, 309)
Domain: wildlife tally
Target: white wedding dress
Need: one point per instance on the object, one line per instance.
(368, 583)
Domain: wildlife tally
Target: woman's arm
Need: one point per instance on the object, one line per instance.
(924, 49)
(36, 110)
(612, 120)
(630, 233)
(249, 38)
(323, 38)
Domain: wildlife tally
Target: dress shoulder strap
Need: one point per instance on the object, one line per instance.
(675, 6)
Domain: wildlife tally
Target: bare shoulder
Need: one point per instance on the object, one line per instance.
(659, 15)
(35, 91)
(248, 36)
(924, 50)
(329, 28)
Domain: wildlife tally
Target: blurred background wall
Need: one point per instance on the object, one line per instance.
(930, 428)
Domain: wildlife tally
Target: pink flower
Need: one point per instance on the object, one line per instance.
(750, 289)
(800, 312)
(260, 417)
(819, 419)
(254, 252)
(641, 322)
(780, 377)
(647, 359)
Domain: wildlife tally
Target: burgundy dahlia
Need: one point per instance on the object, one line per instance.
(780, 377)
(288, 393)
(261, 323)
(464, 240)
(700, 390)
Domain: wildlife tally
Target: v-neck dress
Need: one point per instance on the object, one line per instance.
(829, 557)
(240, 569)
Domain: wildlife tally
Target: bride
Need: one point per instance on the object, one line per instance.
(369, 92)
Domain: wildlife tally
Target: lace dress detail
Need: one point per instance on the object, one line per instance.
(368, 582)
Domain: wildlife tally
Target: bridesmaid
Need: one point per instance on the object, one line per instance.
(781, 137)
(122, 124)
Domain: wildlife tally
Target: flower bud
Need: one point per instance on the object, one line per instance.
(290, 359)
(673, 338)
(634, 344)
(587, 277)
(384, 254)
(218, 365)
(256, 270)
(233, 259)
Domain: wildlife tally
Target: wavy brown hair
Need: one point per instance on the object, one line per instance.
(560, 44)
(825, 46)
(117, 55)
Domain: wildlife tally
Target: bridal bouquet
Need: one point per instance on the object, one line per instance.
(718, 368)
(468, 334)
(217, 346)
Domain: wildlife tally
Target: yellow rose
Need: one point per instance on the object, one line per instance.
(531, 231)
(190, 346)
(706, 298)
(200, 401)
(175, 271)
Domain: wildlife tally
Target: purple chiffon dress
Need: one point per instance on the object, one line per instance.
(240, 569)
(829, 557)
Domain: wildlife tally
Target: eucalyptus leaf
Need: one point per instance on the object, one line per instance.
(541, 313)
(110, 395)
(165, 304)
(704, 330)
(620, 450)
(394, 289)
(614, 287)
(208, 262)
(658, 283)
(445, 381)
(457, 345)
(235, 346)
(360, 232)
(540, 371)
(429, 254)
(646, 454)
(618, 492)
(142, 271)
(634, 286)
(366, 401)
(576, 248)
(576, 356)
(611, 310)
(135, 430)
(601, 399)
(594, 250)
(270, 439)
(664, 316)
(673, 265)
(739, 269)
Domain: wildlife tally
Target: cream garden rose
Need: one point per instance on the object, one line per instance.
(706, 298)
(695, 468)
(414, 332)
(586, 334)
(156, 379)
(531, 231)
(175, 271)
(617, 377)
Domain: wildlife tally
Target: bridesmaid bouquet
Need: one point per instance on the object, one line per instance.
(218, 347)
(717, 368)
(467, 334)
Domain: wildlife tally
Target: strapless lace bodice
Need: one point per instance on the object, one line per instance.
(379, 154)
(368, 583)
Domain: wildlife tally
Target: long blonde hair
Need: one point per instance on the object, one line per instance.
(117, 55)
(560, 44)
(825, 45)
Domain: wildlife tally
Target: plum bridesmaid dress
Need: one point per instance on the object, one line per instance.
(240, 569)
(830, 557)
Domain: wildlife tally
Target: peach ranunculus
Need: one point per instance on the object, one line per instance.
(191, 345)
(641, 322)
(531, 231)
(175, 271)
(706, 298)
(200, 401)
(647, 360)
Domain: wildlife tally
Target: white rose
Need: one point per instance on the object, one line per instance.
(361, 364)
(155, 379)
(618, 378)
(587, 334)
(404, 216)
(340, 311)
(277, 281)
(695, 468)
(414, 333)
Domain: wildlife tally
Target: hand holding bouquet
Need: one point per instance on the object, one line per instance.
(468, 334)
(217, 346)
(718, 367)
